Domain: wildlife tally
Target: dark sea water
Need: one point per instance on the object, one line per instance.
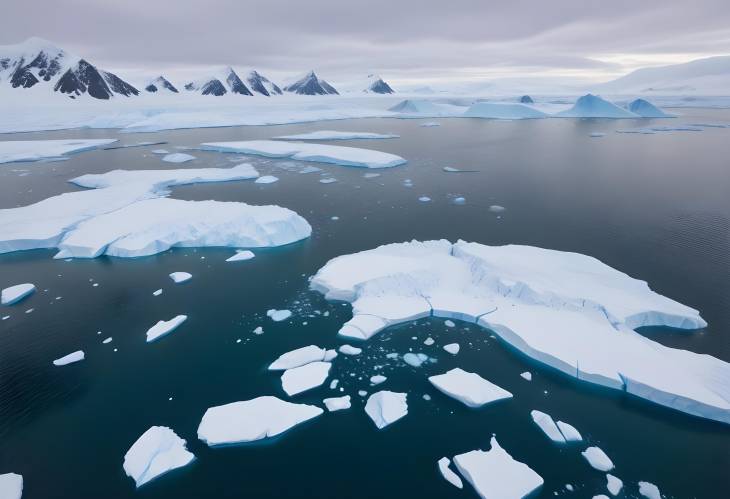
(654, 206)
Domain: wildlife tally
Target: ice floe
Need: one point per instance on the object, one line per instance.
(649, 490)
(597, 459)
(415, 359)
(76, 356)
(13, 294)
(452, 348)
(334, 135)
(241, 256)
(267, 179)
(448, 473)
(181, 277)
(495, 474)
(613, 484)
(47, 150)
(566, 310)
(430, 124)
(11, 486)
(377, 379)
(526, 375)
(156, 452)
(469, 388)
(424, 199)
(163, 328)
(250, 420)
(303, 378)
(569, 431)
(350, 350)
(503, 111)
(278, 315)
(339, 155)
(386, 407)
(178, 157)
(593, 106)
(298, 357)
(547, 425)
(327, 180)
(337, 403)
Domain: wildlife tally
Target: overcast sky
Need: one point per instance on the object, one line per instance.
(404, 40)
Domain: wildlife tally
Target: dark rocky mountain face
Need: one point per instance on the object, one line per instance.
(47, 67)
(380, 87)
(257, 82)
(311, 85)
(236, 85)
(85, 78)
(161, 83)
(213, 87)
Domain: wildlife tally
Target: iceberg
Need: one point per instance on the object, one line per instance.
(334, 135)
(178, 157)
(76, 356)
(495, 474)
(386, 407)
(548, 426)
(613, 484)
(448, 474)
(303, 378)
(250, 420)
(181, 277)
(337, 403)
(649, 490)
(298, 358)
(565, 310)
(241, 256)
(156, 452)
(503, 111)
(410, 106)
(278, 315)
(646, 109)
(11, 486)
(469, 388)
(163, 328)
(14, 294)
(597, 459)
(47, 150)
(592, 106)
(452, 348)
(339, 155)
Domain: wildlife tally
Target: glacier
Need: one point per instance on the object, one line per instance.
(156, 452)
(12, 151)
(565, 310)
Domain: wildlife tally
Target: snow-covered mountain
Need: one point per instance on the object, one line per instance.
(161, 84)
(702, 76)
(219, 83)
(39, 63)
(310, 84)
(376, 85)
(261, 84)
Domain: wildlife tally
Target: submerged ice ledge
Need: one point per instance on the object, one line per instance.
(566, 310)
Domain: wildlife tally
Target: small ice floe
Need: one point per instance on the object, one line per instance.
(180, 277)
(334, 384)
(107, 340)
(569, 431)
(448, 473)
(386, 407)
(371, 175)
(337, 403)
(310, 169)
(547, 425)
(334, 135)
(303, 378)
(163, 328)
(415, 359)
(429, 341)
(469, 388)
(495, 208)
(613, 484)
(430, 124)
(451, 169)
(266, 179)
(449, 323)
(329, 355)
(250, 420)
(157, 293)
(11, 486)
(597, 459)
(452, 348)
(14, 294)
(377, 379)
(424, 199)
(178, 157)
(46, 150)
(258, 330)
(597, 134)
(156, 452)
(70, 358)
(649, 490)
(241, 256)
(495, 473)
(526, 375)
(160, 151)
(350, 350)
(278, 315)
(362, 393)
(327, 180)
(298, 358)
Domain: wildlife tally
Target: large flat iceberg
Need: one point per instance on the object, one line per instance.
(468, 388)
(303, 378)
(386, 407)
(156, 452)
(565, 310)
(339, 155)
(503, 111)
(36, 150)
(163, 328)
(250, 420)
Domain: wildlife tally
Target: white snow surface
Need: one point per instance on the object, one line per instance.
(494, 474)
(566, 310)
(76, 356)
(597, 459)
(547, 425)
(156, 452)
(163, 328)
(298, 357)
(303, 378)
(503, 111)
(386, 407)
(11, 486)
(337, 403)
(448, 473)
(48, 150)
(613, 484)
(250, 420)
(13, 294)
(469, 388)
(569, 431)
(337, 135)
(301, 151)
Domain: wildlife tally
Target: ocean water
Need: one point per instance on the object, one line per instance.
(654, 206)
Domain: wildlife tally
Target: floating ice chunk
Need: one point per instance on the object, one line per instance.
(329, 355)
(306, 377)
(156, 452)
(76, 356)
(597, 459)
(448, 474)
(377, 379)
(449, 323)
(592, 106)
(267, 179)
(241, 256)
(340, 155)
(459, 200)
(429, 341)
(258, 330)
(569, 432)
(424, 199)
(495, 474)
(337, 403)
(327, 180)
(646, 109)
(613, 484)
(11, 486)
(333, 135)
(601, 496)
(503, 111)
(160, 151)
(452, 348)
(469, 388)
(371, 175)
(180, 277)
(649, 490)
(278, 315)
(548, 427)
(350, 350)
(298, 357)
(157, 292)
(36, 150)
(107, 340)
(597, 134)
(430, 124)
(386, 407)
(250, 420)
(415, 359)
(14, 294)
(495, 208)
(178, 157)
(526, 375)
(163, 328)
